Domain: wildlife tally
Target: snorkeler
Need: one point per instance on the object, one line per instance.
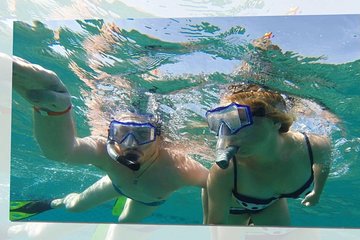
(260, 163)
(139, 164)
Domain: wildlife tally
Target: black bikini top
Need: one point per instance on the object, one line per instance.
(256, 204)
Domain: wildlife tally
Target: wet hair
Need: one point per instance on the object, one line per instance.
(142, 118)
(262, 101)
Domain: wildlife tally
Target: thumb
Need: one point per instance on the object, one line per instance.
(305, 202)
(57, 203)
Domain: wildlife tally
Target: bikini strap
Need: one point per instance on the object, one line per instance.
(235, 173)
(309, 149)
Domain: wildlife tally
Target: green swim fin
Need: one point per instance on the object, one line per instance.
(118, 206)
(20, 210)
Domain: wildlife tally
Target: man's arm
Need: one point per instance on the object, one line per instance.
(96, 194)
(195, 173)
(53, 124)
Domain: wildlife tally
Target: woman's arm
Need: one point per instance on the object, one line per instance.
(205, 205)
(322, 162)
(219, 185)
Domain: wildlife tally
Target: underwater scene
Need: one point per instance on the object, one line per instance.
(178, 69)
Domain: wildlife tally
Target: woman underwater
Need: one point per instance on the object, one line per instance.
(260, 163)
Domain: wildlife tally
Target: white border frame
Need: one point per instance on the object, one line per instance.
(57, 10)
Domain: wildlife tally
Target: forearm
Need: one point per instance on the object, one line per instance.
(216, 218)
(53, 124)
(96, 194)
(55, 135)
(204, 198)
(100, 192)
(217, 208)
(321, 173)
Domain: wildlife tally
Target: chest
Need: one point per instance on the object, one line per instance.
(285, 177)
(146, 185)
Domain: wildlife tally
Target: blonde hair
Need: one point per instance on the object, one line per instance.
(262, 102)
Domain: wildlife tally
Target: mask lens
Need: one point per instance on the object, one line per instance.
(229, 119)
(224, 130)
(244, 116)
(142, 132)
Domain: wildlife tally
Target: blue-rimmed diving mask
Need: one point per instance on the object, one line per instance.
(129, 134)
(228, 120)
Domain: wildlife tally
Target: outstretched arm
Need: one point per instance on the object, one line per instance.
(96, 194)
(322, 162)
(53, 123)
(195, 174)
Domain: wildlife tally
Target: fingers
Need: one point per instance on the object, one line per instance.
(68, 202)
(57, 203)
(51, 100)
(27, 76)
(308, 203)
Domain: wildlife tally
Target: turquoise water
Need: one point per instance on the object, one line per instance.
(177, 68)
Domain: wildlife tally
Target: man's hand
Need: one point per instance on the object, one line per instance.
(39, 86)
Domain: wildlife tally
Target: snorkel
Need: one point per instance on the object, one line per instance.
(224, 153)
(225, 121)
(125, 136)
(129, 160)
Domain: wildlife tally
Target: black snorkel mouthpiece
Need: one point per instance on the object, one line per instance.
(129, 160)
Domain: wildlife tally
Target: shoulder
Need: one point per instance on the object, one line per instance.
(317, 142)
(189, 171)
(321, 147)
(92, 148)
(221, 177)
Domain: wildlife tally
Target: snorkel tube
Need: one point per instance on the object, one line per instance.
(224, 154)
(128, 160)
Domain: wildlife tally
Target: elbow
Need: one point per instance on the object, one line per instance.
(56, 155)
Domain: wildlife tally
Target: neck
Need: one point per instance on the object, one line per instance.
(264, 154)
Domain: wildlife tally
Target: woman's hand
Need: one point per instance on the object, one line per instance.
(39, 86)
(311, 199)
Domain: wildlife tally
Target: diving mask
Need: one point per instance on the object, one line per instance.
(129, 134)
(228, 120)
